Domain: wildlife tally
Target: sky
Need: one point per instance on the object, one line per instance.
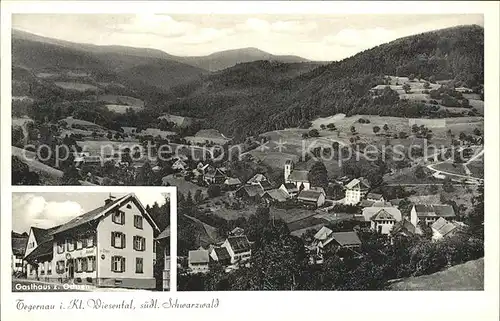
(315, 37)
(47, 210)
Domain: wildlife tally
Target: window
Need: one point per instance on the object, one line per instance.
(60, 247)
(139, 243)
(79, 265)
(118, 240)
(118, 264)
(154, 246)
(118, 217)
(60, 267)
(79, 244)
(49, 268)
(139, 265)
(90, 241)
(71, 245)
(42, 268)
(19, 264)
(31, 245)
(84, 264)
(91, 264)
(138, 221)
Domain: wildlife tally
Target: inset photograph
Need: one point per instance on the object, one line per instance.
(91, 241)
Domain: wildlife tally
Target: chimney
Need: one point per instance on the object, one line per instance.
(109, 199)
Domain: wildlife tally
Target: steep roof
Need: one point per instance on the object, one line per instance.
(252, 190)
(366, 203)
(323, 233)
(361, 181)
(369, 212)
(434, 210)
(299, 176)
(291, 187)
(239, 244)
(257, 178)
(43, 235)
(346, 238)
(277, 194)
(206, 233)
(164, 234)
(232, 181)
(309, 195)
(374, 196)
(402, 226)
(222, 253)
(198, 256)
(382, 215)
(101, 211)
(443, 227)
(266, 185)
(43, 249)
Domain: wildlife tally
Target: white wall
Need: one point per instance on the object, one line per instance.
(76, 253)
(104, 248)
(31, 239)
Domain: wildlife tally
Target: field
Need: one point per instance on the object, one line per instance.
(70, 121)
(121, 100)
(468, 276)
(288, 215)
(94, 147)
(78, 86)
(457, 169)
(476, 168)
(210, 135)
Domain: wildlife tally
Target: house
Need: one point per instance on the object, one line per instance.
(463, 90)
(430, 213)
(276, 195)
(298, 177)
(257, 179)
(179, 165)
(213, 175)
(18, 265)
(164, 241)
(198, 261)
(250, 192)
(237, 231)
(111, 245)
(442, 228)
(290, 188)
(374, 197)
(232, 183)
(438, 175)
(355, 190)
(38, 253)
(382, 219)
(220, 255)
(325, 238)
(312, 197)
(266, 186)
(405, 228)
(238, 247)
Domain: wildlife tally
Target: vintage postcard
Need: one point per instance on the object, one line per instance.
(232, 153)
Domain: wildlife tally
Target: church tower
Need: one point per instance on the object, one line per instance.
(288, 169)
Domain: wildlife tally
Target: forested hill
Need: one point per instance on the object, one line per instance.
(255, 97)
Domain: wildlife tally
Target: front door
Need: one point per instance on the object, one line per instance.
(71, 270)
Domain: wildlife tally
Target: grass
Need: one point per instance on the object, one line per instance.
(468, 276)
(74, 86)
(121, 109)
(457, 169)
(476, 168)
(184, 186)
(288, 215)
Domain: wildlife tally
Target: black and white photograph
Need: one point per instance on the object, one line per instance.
(90, 241)
(312, 152)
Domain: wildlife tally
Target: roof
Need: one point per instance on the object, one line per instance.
(257, 178)
(239, 244)
(252, 190)
(374, 196)
(212, 171)
(346, 238)
(434, 210)
(396, 201)
(309, 195)
(369, 212)
(353, 183)
(291, 187)
(19, 245)
(323, 233)
(383, 215)
(232, 181)
(43, 249)
(443, 227)
(277, 194)
(42, 235)
(198, 256)
(206, 233)
(366, 203)
(403, 226)
(164, 234)
(100, 212)
(222, 253)
(299, 176)
(266, 185)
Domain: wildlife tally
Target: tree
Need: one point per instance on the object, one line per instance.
(214, 191)
(411, 77)
(109, 135)
(71, 176)
(477, 132)
(353, 130)
(448, 185)
(331, 126)
(465, 103)
(403, 135)
(198, 196)
(323, 126)
(17, 136)
(427, 85)
(318, 175)
(407, 88)
(432, 79)
(313, 133)
(376, 129)
(21, 175)
(420, 172)
(386, 127)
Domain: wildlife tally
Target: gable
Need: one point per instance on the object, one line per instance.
(31, 240)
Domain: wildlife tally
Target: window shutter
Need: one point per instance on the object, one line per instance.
(113, 239)
(123, 264)
(143, 244)
(112, 265)
(122, 215)
(123, 241)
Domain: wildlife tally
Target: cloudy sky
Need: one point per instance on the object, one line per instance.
(316, 37)
(46, 210)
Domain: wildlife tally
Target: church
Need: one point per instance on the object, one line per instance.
(297, 176)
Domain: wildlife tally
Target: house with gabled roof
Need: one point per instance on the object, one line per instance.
(220, 255)
(213, 175)
(238, 247)
(355, 190)
(205, 234)
(276, 195)
(431, 213)
(18, 242)
(290, 188)
(250, 192)
(327, 240)
(198, 261)
(442, 228)
(405, 228)
(112, 245)
(179, 165)
(297, 176)
(257, 179)
(381, 219)
(313, 197)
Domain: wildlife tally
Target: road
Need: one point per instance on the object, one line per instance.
(470, 178)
